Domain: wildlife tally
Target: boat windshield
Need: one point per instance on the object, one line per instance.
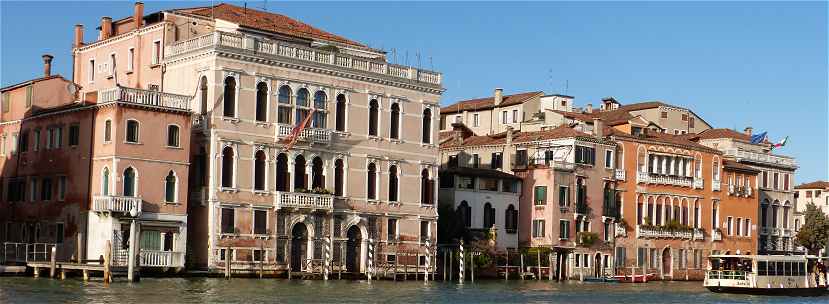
(731, 264)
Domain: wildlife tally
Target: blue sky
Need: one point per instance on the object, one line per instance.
(736, 64)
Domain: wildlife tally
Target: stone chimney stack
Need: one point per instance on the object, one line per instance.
(598, 127)
(499, 96)
(509, 136)
(78, 36)
(106, 27)
(589, 108)
(748, 130)
(47, 65)
(138, 14)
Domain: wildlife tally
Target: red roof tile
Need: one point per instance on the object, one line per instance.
(664, 138)
(814, 185)
(266, 21)
(723, 133)
(489, 102)
(517, 137)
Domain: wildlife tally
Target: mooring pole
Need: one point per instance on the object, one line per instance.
(428, 263)
(550, 265)
(107, 262)
(444, 264)
(461, 262)
(506, 268)
(538, 262)
(132, 252)
(370, 259)
(472, 266)
(451, 264)
(521, 270)
(227, 263)
(52, 262)
(327, 256)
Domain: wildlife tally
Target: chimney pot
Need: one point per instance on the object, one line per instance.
(499, 96)
(589, 108)
(598, 127)
(106, 27)
(138, 14)
(78, 35)
(748, 130)
(47, 65)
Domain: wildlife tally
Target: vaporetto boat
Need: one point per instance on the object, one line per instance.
(766, 274)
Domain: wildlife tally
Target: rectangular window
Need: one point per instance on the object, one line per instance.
(33, 190)
(508, 186)
(620, 257)
(563, 229)
(488, 184)
(808, 194)
(476, 160)
(641, 256)
(108, 130)
(14, 143)
(228, 220)
(563, 194)
(475, 121)
(46, 189)
(392, 230)
(538, 228)
(29, 96)
(739, 226)
(466, 182)
(91, 70)
(765, 179)
(24, 141)
(684, 117)
(61, 188)
(540, 197)
(585, 155)
(74, 135)
(36, 140)
(424, 231)
(664, 114)
(257, 255)
(130, 59)
(59, 233)
(504, 117)
(776, 182)
(654, 259)
(728, 226)
(260, 222)
(514, 116)
(57, 138)
(691, 122)
(497, 160)
(112, 64)
(747, 228)
(6, 102)
(786, 181)
(156, 52)
(608, 158)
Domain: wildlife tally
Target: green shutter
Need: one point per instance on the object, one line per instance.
(540, 195)
(150, 240)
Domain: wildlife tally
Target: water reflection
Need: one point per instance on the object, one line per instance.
(206, 290)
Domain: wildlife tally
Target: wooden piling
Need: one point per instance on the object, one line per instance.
(52, 263)
(85, 275)
(36, 272)
(227, 263)
(506, 268)
(108, 262)
(472, 266)
(79, 247)
(521, 270)
(538, 263)
(62, 274)
(451, 262)
(550, 266)
(262, 259)
(444, 264)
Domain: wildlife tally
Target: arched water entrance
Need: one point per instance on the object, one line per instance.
(352, 250)
(667, 263)
(299, 246)
(597, 265)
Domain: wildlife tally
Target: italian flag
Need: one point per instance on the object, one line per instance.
(781, 143)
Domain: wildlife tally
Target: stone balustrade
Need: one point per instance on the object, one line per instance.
(716, 235)
(116, 204)
(647, 178)
(651, 232)
(620, 231)
(158, 258)
(304, 200)
(145, 97)
(317, 135)
(620, 174)
(758, 157)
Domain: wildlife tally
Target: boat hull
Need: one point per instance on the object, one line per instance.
(816, 291)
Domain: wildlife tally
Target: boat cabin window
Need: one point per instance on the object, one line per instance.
(778, 268)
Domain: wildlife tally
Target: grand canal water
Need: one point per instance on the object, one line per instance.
(211, 290)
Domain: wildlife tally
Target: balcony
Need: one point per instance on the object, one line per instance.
(620, 174)
(524, 163)
(277, 49)
(620, 231)
(716, 235)
(156, 258)
(648, 178)
(787, 232)
(771, 231)
(715, 185)
(698, 183)
(761, 158)
(316, 135)
(304, 201)
(651, 232)
(740, 191)
(116, 204)
(145, 97)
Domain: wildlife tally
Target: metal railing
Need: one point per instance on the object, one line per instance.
(27, 252)
(740, 155)
(726, 274)
(304, 200)
(261, 45)
(113, 203)
(145, 97)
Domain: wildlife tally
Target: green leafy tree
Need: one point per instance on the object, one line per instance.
(814, 234)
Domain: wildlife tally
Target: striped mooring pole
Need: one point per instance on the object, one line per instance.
(327, 262)
(370, 267)
(460, 264)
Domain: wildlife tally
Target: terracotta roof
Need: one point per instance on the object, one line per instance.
(489, 102)
(732, 164)
(644, 105)
(478, 172)
(574, 115)
(663, 138)
(266, 21)
(518, 137)
(814, 185)
(723, 133)
(613, 117)
(27, 82)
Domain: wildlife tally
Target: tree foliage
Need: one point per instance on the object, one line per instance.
(814, 234)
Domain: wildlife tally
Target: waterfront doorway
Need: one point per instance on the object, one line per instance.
(299, 246)
(352, 250)
(667, 263)
(597, 265)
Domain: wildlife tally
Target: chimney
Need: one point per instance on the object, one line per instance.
(78, 36)
(509, 136)
(106, 28)
(598, 127)
(138, 14)
(47, 65)
(589, 108)
(748, 130)
(499, 96)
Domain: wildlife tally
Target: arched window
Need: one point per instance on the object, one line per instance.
(371, 181)
(697, 166)
(320, 100)
(302, 105)
(339, 179)
(641, 158)
(511, 219)
(262, 101)
(373, 109)
(108, 130)
(426, 188)
(282, 172)
(427, 126)
(317, 178)
(172, 136)
(393, 183)
(299, 172)
(132, 131)
(203, 94)
(230, 97)
(170, 187)
(340, 113)
(105, 182)
(227, 167)
(129, 182)
(259, 171)
(284, 100)
(489, 216)
(394, 121)
(640, 200)
(465, 214)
